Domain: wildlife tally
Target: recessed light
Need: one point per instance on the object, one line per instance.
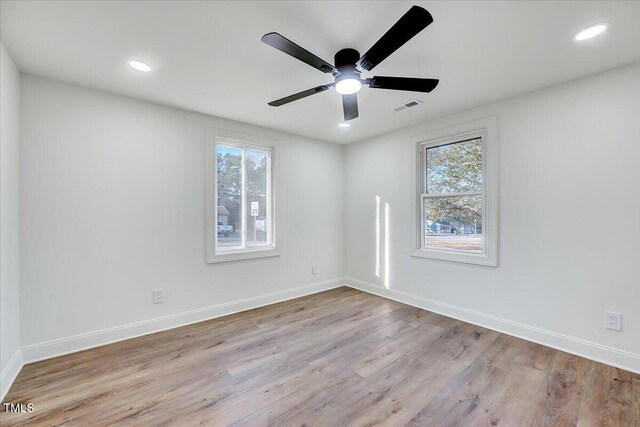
(344, 125)
(590, 32)
(140, 66)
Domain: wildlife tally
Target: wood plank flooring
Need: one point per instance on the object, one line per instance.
(337, 358)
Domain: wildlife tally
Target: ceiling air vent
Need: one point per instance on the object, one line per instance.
(409, 104)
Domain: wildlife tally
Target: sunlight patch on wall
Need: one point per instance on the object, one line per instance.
(386, 245)
(378, 236)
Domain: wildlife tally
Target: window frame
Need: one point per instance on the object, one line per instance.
(236, 140)
(486, 130)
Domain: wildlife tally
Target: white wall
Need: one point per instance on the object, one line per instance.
(569, 219)
(113, 206)
(10, 359)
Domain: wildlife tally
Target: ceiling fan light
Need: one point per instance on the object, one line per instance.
(348, 86)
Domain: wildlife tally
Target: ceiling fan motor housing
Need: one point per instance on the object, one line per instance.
(346, 57)
(348, 81)
(345, 61)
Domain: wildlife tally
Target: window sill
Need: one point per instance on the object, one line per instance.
(465, 258)
(243, 255)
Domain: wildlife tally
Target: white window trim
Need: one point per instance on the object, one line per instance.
(214, 136)
(487, 127)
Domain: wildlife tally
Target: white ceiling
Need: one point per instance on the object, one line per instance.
(207, 56)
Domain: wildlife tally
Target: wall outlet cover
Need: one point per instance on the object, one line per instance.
(613, 320)
(314, 269)
(158, 296)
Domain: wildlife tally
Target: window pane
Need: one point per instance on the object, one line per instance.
(229, 197)
(455, 167)
(256, 162)
(453, 222)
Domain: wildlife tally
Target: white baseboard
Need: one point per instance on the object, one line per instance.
(589, 350)
(10, 372)
(59, 347)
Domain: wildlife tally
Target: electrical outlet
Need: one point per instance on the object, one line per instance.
(158, 296)
(314, 269)
(613, 320)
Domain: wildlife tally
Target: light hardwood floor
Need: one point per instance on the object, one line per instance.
(337, 358)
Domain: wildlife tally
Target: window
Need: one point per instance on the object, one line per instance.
(452, 200)
(457, 199)
(240, 206)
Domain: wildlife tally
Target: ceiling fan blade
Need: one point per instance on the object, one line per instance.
(299, 95)
(411, 23)
(350, 106)
(290, 48)
(403, 83)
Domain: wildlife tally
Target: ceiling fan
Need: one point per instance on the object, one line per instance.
(349, 64)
